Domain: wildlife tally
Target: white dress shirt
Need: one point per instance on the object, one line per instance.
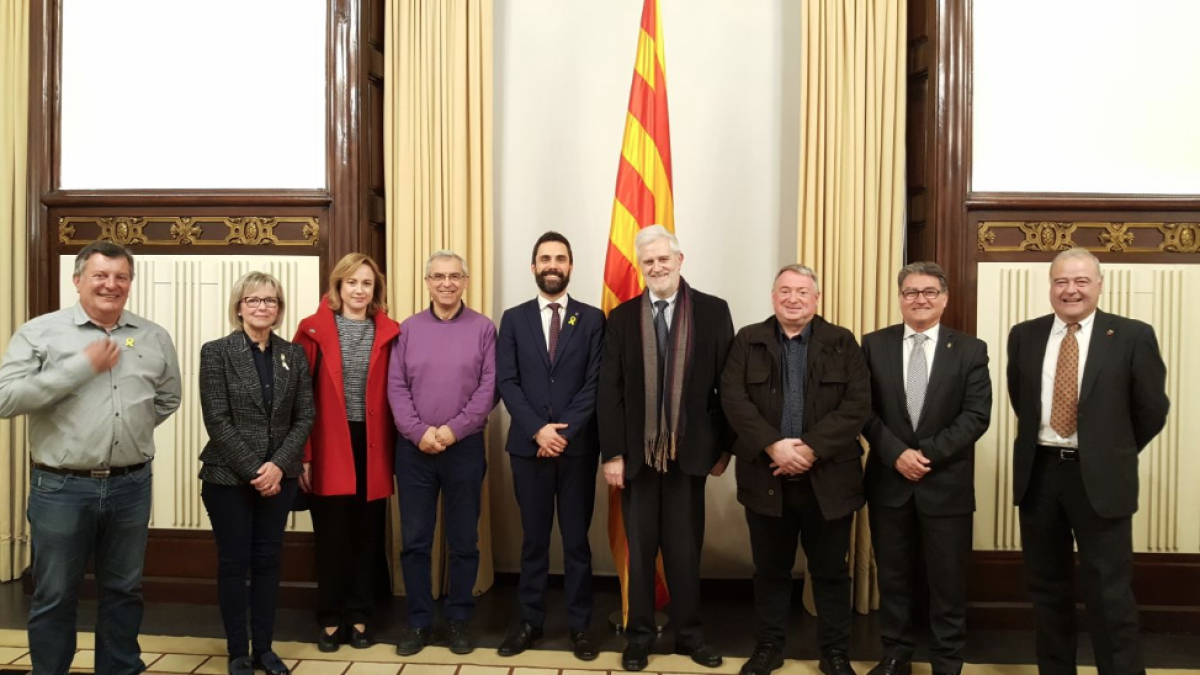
(544, 305)
(930, 347)
(670, 310)
(1047, 435)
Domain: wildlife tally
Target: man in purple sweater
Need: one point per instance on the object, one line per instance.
(441, 386)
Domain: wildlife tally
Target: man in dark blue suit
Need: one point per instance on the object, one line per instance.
(548, 368)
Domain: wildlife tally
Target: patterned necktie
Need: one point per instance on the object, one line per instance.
(1066, 385)
(555, 328)
(918, 377)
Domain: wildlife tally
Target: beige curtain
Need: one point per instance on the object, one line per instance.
(852, 77)
(438, 171)
(14, 102)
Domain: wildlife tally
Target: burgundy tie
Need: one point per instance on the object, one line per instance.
(555, 328)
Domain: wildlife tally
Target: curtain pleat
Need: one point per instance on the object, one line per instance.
(438, 174)
(14, 115)
(851, 213)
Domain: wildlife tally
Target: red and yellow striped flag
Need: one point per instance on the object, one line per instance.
(643, 199)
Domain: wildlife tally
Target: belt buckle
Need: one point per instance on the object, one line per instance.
(99, 473)
(1066, 454)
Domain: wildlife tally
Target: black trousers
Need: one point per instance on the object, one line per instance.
(566, 484)
(348, 531)
(903, 537)
(1055, 514)
(826, 543)
(664, 511)
(249, 532)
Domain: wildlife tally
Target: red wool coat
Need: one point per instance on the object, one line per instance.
(328, 446)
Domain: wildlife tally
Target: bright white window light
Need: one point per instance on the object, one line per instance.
(193, 94)
(1086, 96)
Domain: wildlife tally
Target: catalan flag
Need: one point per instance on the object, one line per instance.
(643, 198)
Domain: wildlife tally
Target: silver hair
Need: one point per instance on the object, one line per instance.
(652, 233)
(1077, 252)
(928, 269)
(446, 253)
(802, 270)
(106, 249)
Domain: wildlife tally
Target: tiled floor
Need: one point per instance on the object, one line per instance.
(204, 656)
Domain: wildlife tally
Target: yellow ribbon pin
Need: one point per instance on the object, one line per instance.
(571, 321)
(128, 342)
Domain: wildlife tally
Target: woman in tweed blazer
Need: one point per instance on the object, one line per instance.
(258, 409)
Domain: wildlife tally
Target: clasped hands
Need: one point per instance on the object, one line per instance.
(268, 479)
(790, 457)
(912, 464)
(437, 439)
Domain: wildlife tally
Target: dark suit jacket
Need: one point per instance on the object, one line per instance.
(1122, 406)
(238, 423)
(956, 413)
(837, 401)
(536, 391)
(621, 408)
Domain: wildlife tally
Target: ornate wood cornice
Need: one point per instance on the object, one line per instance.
(1016, 236)
(190, 231)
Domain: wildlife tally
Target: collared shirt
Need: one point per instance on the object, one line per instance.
(795, 370)
(930, 347)
(544, 306)
(670, 310)
(265, 367)
(1046, 435)
(78, 418)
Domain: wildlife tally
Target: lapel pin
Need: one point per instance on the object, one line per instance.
(949, 345)
(312, 331)
(1109, 333)
(128, 342)
(571, 321)
(283, 361)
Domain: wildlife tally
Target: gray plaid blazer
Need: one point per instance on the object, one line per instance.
(239, 425)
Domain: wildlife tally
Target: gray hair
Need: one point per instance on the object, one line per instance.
(652, 233)
(106, 249)
(925, 268)
(802, 270)
(1077, 252)
(445, 253)
(248, 282)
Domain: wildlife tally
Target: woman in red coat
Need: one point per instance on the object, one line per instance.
(348, 459)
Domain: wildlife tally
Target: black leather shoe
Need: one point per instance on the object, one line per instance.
(327, 642)
(836, 663)
(767, 657)
(458, 633)
(635, 657)
(359, 638)
(270, 664)
(413, 640)
(702, 655)
(520, 639)
(890, 666)
(242, 665)
(583, 647)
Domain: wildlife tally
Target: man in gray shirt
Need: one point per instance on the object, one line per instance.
(95, 380)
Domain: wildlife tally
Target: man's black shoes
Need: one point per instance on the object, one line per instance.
(890, 666)
(635, 657)
(520, 639)
(413, 640)
(583, 647)
(702, 654)
(458, 634)
(767, 657)
(836, 663)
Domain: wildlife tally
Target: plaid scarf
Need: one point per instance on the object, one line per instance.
(663, 422)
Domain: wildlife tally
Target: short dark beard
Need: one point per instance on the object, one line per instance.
(544, 285)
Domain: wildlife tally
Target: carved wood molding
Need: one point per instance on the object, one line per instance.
(1098, 237)
(190, 231)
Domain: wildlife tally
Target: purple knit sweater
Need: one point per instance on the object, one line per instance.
(443, 372)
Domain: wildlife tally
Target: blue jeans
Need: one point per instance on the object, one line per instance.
(457, 473)
(249, 532)
(70, 519)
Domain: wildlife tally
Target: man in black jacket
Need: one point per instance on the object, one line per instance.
(931, 397)
(662, 434)
(1089, 390)
(796, 392)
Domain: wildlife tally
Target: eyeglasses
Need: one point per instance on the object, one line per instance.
(252, 302)
(911, 294)
(439, 278)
